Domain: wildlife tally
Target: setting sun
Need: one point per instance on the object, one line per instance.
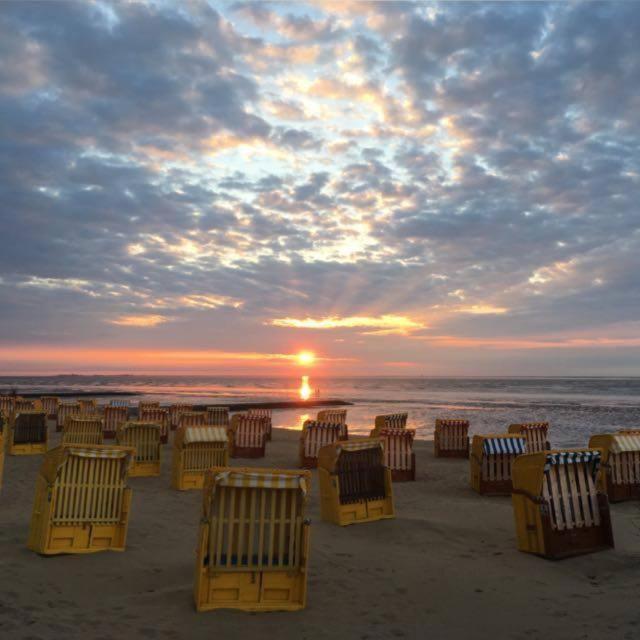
(306, 358)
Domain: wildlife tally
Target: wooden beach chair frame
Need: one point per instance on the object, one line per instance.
(147, 404)
(490, 462)
(83, 430)
(248, 436)
(253, 542)
(451, 438)
(158, 415)
(335, 416)
(114, 416)
(263, 413)
(31, 447)
(88, 406)
(389, 421)
(619, 476)
(557, 508)
(50, 406)
(313, 437)
(145, 439)
(175, 410)
(66, 409)
(195, 450)
(398, 453)
(536, 433)
(218, 416)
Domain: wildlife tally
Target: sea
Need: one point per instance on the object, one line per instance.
(574, 407)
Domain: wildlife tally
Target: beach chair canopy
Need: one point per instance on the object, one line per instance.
(57, 458)
(511, 445)
(190, 435)
(329, 455)
(625, 443)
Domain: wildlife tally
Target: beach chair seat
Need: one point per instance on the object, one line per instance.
(335, 416)
(248, 435)
(490, 462)
(175, 410)
(50, 406)
(389, 421)
(398, 453)
(218, 416)
(536, 434)
(557, 508)
(114, 416)
(619, 477)
(266, 414)
(144, 438)
(355, 484)
(313, 437)
(253, 542)
(88, 406)
(195, 450)
(82, 430)
(28, 434)
(159, 416)
(82, 501)
(66, 409)
(451, 438)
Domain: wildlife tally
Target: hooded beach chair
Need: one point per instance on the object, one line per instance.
(88, 406)
(314, 436)
(146, 404)
(7, 405)
(192, 419)
(119, 403)
(175, 410)
(66, 409)
(451, 439)
(114, 416)
(218, 416)
(335, 416)
(82, 501)
(82, 430)
(398, 453)
(28, 433)
(22, 404)
(557, 508)
(265, 414)
(50, 406)
(389, 421)
(161, 416)
(535, 433)
(144, 437)
(355, 484)
(248, 436)
(196, 449)
(619, 477)
(490, 462)
(253, 542)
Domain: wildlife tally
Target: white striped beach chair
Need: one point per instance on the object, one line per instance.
(50, 406)
(490, 462)
(620, 475)
(119, 403)
(248, 435)
(253, 543)
(82, 501)
(66, 409)
(536, 434)
(398, 453)
(82, 430)
(159, 416)
(558, 510)
(389, 421)
(451, 438)
(314, 436)
(144, 437)
(147, 404)
(265, 414)
(218, 416)
(196, 449)
(175, 410)
(114, 416)
(192, 419)
(335, 416)
(28, 434)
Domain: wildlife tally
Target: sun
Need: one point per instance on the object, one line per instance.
(306, 358)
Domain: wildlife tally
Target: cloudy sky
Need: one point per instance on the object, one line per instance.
(400, 188)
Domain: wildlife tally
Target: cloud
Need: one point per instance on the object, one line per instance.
(382, 325)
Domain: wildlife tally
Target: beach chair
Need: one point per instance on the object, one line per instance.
(192, 419)
(174, 414)
(82, 501)
(248, 436)
(218, 416)
(161, 416)
(535, 434)
(7, 405)
(557, 507)
(28, 434)
(490, 462)
(146, 404)
(451, 439)
(335, 416)
(50, 406)
(88, 406)
(314, 436)
(253, 542)
(114, 416)
(263, 413)
(355, 484)
(83, 430)
(66, 409)
(389, 421)
(619, 477)
(22, 404)
(196, 449)
(398, 453)
(119, 403)
(144, 437)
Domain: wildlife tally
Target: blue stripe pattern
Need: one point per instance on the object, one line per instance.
(574, 457)
(513, 446)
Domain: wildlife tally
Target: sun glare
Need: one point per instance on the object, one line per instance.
(306, 358)
(305, 389)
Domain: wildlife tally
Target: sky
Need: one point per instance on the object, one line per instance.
(398, 188)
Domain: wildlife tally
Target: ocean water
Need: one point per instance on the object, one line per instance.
(575, 407)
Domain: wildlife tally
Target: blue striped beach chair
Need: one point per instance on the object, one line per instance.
(490, 462)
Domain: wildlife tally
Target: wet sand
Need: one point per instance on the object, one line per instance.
(446, 567)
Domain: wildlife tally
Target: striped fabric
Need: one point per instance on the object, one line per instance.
(318, 434)
(119, 403)
(251, 431)
(49, 405)
(574, 457)
(192, 419)
(394, 420)
(25, 405)
(359, 445)
(67, 409)
(333, 416)
(259, 413)
(510, 446)
(398, 448)
(175, 410)
(260, 480)
(204, 434)
(88, 452)
(218, 416)
(624, 443)
(114, 416)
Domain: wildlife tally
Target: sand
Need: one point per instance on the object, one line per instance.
(446, 567)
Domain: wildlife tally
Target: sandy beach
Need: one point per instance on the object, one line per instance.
(447, 567)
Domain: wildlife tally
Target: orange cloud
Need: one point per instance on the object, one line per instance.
(139, 321)
(382, 325)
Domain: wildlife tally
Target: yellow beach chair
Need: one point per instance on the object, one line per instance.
(175, 410)
(50, 406)
(557, 508)
(398, 453)
(66, 409)
(335, 416)
(7, 405)
(88, 406)
(355, 484)
(490, 462)
(253, 543)
(451, 439)
(218, 416)
(248, 436)
(114, 416)
(28, 434)
(266, 414)
(146, 404)
(82, 501)
(144, 437)
(314, 436)
(160, 416)
(196, 449)
(619, 478)
(536, 434)
(389, 421)
(84, 430)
